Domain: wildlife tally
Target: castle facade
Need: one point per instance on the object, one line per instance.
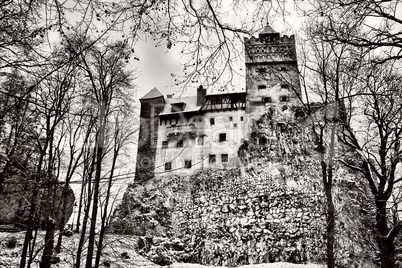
(179, 136)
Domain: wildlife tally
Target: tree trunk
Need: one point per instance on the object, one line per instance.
(77, 224)
(32, 211)
(330, 221)
(63, 218)
(86, 210)
(47, 256)
(104, 216)
(385, 239)
(99, 155)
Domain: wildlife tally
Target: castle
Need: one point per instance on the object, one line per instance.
(179, 136)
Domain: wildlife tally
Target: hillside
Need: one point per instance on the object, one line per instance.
(270, 209)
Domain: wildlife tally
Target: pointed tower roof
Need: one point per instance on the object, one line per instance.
(268, 31)
(152, 94)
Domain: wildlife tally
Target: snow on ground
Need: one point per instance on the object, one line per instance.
(119, 252)
(265, 265)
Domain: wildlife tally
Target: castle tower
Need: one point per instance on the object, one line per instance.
(272, 78)
(152, 105)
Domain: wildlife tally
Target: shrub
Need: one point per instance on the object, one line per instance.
(11, 242)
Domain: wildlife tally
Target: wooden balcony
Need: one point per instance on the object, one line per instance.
(184, 130)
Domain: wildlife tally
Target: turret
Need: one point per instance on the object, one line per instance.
(152, 104)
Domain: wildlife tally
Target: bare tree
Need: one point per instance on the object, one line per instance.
(108, 79)
(122, 134)
(375, 152)
(377, 21)
(331, 74)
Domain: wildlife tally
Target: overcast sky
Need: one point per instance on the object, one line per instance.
(155, 66)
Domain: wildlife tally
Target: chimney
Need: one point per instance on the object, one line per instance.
(201, 93)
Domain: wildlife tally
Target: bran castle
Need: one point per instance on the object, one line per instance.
(180, 136)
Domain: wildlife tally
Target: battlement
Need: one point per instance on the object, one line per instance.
(271, 48)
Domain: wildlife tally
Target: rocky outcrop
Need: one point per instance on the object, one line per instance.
(271, 209)
(15, 206)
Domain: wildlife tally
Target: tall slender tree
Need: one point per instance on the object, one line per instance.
(108, 78)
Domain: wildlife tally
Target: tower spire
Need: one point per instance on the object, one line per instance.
(268, 31)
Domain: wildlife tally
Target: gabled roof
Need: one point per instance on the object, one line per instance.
(152, 94)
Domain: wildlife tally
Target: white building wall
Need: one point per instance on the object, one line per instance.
(205, 142)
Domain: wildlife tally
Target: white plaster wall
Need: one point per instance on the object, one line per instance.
(235, 131)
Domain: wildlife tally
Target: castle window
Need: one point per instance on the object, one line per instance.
(234, 125)
(225, 158)
(212, 121)
(168, 166)
(283, 98)
(241, 118)
(261, 70)
(266, 99)
(222, 137)
(212, 158)
(165, 144)
(262, 87)
(230, 118)
(283, 68)
(284, 86)
(200, 141)
(187, 164)
(179, 143)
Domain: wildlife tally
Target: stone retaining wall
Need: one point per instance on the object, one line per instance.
(272, 209)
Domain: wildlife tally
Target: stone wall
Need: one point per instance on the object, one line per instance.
(251, 219)
(271, 209)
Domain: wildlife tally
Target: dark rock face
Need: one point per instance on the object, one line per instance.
(15, 204)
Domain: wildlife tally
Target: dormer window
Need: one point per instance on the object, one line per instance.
(284, 98)
(260, 87)
(178, 107)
